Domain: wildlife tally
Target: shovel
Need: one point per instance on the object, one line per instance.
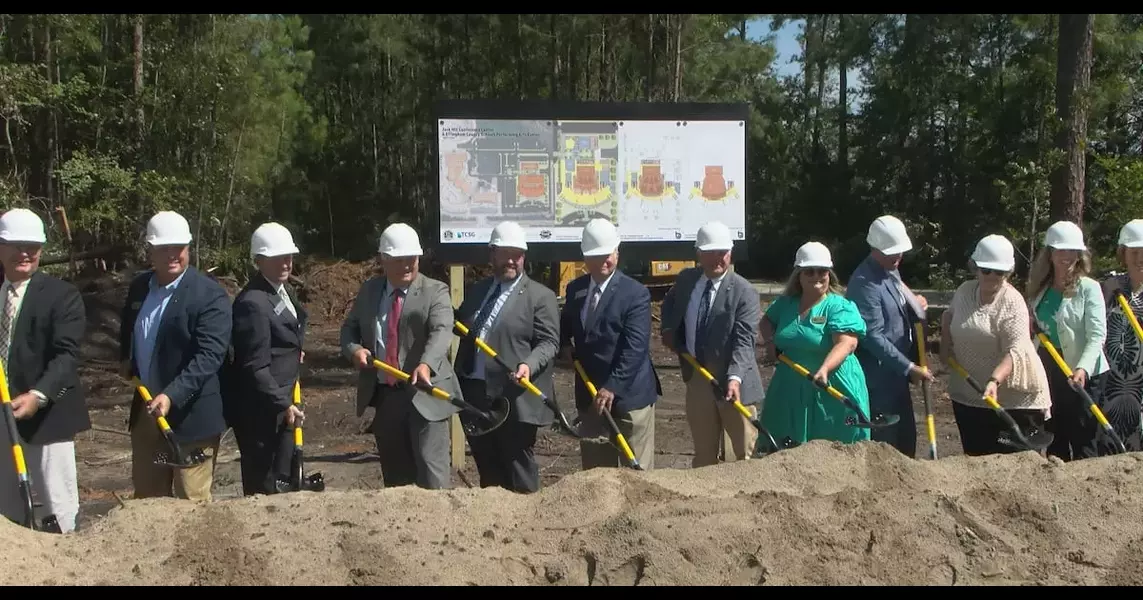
(177, 459)
(1130, 314)
(879, 420)
(562, 424)
(481, 422)
(298, 480)
(764, 435)
(923, 358)
(622, 441)
(49, 524)
(1038, 440)
(1067, 371)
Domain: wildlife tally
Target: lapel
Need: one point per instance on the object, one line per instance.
(608, 293)
(371, 294)
(475, 299)
(27, 316)
(174, 305)
(718, 305)
(273, 299)
(683, 300)
(414, 301)
(511, 299)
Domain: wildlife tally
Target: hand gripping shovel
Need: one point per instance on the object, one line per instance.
(24, 482)
(1067, 371)
(623, 446)
(763, 434)
(923, 358)
(562, 425)
(879, 420)
(298, 480)
(479, 423)
(1037, 441)
(177, 459)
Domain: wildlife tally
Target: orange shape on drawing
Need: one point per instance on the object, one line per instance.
(713, 185)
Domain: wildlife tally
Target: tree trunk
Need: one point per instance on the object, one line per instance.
(1073, 80)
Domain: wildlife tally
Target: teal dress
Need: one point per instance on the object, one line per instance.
(794, 406)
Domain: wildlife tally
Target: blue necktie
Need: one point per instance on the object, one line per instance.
(700, 322)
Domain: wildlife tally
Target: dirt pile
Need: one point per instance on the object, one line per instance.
(329, 288)
(819, 514)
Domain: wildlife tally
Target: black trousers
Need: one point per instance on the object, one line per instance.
(505, 457)
(981, 428)
(266, 450)
(1075, 429)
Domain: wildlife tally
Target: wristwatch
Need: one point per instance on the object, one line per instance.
(41, 399)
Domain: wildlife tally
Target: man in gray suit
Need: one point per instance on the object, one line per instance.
(404, 319)
(713, 315)
(519, 320)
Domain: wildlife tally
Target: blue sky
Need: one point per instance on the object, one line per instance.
(789, 48)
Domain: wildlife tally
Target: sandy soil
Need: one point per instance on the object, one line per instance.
(821, 514)
(818, 514)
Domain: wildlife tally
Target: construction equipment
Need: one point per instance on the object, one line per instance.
(176, 459)
(479, 422)
(561, 424)
(763, 434)
(298, 480)
(49, 523)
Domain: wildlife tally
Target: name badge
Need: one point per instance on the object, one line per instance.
(279, 307)
(818, 320)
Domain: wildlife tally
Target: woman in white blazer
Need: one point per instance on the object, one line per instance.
(1068, 305)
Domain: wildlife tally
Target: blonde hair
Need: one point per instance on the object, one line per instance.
(1042, 272)
(794, 284)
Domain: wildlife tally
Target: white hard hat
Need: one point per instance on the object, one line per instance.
(168, 228)
(1132, 234)
(272, 239)
(887, 234)
(508, 234)
(813, 254)
(1064, 235)
(600, 238)
(994, 252)
(399, 240)
(22, 225)
(713, 236)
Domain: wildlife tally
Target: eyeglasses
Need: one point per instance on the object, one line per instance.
(991, 272)
(815, 271)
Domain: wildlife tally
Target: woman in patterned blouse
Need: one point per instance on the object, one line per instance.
(1121, 395)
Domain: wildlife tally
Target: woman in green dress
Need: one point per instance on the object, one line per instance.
(813, 324)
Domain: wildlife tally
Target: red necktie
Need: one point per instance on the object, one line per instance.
(391, 323)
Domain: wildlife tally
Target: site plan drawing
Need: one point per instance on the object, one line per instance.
(656, 180)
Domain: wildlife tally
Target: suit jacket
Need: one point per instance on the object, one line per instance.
(732, 330)
(527, 331)
(267, 346)
(425, 334)
(887, 350)
(614, 344)
(193, 337)
(44, 356)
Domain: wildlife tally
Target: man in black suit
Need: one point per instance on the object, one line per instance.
(41, 323)
(269, 329)
(519, 319)
(174, 334)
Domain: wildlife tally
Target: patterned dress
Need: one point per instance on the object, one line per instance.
(1120, 394)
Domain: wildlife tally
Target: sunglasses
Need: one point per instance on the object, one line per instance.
(991, 272)
(815, 271)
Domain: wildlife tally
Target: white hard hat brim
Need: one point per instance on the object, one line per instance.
(715, 246)
(405, 254)
(1067, 246)
(1132, 244)
(285, 252)
(901, 248)
(995, 265)
(170, 241)
(23, 239)
(518, 246)
(814, 264)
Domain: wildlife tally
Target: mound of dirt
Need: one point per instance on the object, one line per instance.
(329, 288)
(820, 514)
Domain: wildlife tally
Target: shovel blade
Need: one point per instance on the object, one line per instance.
(1036, 440)
(488, 421)
(191, 459)
(879, 421)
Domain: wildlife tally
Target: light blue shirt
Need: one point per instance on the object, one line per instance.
(505, 291)
(147, 330)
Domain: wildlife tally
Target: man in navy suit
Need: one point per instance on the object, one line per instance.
(889, 309)
(174, 335)
(607, 316)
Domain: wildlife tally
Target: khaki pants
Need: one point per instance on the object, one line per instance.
(709, 418)
(637, 427)
(153, 481)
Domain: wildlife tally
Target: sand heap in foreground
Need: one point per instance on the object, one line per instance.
(818, 514)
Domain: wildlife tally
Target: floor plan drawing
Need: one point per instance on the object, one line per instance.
(586, 171)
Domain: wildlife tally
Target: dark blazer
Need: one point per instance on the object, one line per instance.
(526, 330)
(614, 345)
(267, 342)
(45, 356)
(193, 338)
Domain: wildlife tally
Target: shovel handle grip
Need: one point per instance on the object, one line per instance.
(298, 403)
(959, 370)
(17, 449)
(485, 348)
(1129, 313)
(403, 376)
(147, 399)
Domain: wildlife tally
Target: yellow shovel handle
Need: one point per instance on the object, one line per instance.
(147, 399)
(593, 391)
(403, 376)
(1130, 314)
(492, 354)
(298, 403)
(17, 449)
